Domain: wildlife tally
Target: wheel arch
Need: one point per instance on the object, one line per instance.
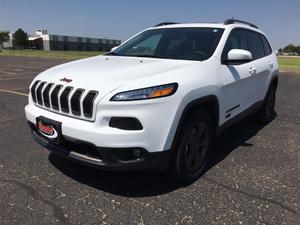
(209, 103)
(274, 80)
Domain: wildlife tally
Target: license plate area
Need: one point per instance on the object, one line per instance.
(49, 129)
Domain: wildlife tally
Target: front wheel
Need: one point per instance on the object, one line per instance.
(193, 147)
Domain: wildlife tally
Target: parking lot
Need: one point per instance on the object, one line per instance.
(253, 177)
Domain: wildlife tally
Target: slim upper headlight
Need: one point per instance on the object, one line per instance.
(146, 93)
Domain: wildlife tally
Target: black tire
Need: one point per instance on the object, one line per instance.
(193, 147)
(266, 114)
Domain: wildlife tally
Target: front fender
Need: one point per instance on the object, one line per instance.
(195, 97)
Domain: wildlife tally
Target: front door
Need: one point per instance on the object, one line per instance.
(237, 90)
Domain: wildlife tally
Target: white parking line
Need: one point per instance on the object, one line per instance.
(6, 72)
(41, 67)
(16, 78)
(13, 92)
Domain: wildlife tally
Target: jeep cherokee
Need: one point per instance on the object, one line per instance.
(157, 101)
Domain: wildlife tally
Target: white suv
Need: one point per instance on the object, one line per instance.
(157, 101)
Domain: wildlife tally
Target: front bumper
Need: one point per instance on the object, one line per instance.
(113, 159)
(156, 116)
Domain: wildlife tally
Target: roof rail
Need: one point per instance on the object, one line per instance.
(164, 24)
(232, 21)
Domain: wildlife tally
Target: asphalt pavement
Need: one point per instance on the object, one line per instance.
(253, 178)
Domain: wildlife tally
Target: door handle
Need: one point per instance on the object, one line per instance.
(252, 70)
(270, 65)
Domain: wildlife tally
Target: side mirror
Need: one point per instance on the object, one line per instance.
(114, 48)
(238, 56)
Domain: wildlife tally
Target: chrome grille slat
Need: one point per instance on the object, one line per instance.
(66, 100)
(75, 102)
(39, 93)
(88, 103)
(33, 90)
(46, 95)
(54, 97)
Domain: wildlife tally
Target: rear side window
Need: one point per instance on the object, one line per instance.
(255, 45)
(267, 47)
(236, 40)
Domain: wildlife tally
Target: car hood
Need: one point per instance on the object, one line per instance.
(106, 73)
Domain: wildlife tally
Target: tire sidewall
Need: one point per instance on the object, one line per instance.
(182, 173)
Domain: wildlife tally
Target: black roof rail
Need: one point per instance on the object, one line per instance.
(232, 21)
(164, 24)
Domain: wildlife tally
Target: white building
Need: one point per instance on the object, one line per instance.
(9, 43)
(42, 40)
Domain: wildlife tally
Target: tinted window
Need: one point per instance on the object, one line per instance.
(147, 46)
(173, 43)
(236, 40)
(266, 45)
(255, 45)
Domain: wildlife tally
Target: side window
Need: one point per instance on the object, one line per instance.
(267, 47)
(236, 40)
(255, 45)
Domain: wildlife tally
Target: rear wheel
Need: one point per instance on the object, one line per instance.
(267, 112)
(193, 147)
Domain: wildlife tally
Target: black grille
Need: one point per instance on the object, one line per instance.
(88, 103)
(39, 93)
(64, 99)
(75, 102)
(33, 90)
(82, 148)
(54, 97)
(46, 95)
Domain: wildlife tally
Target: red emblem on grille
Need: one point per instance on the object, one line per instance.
(66, 80)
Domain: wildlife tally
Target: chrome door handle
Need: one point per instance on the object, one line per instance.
(270, 64)
(252, 71)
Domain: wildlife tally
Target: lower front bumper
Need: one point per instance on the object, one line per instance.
(114, 159)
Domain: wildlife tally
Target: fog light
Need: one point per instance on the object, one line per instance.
(137, 153)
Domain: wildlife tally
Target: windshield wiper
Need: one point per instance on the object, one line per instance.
(112, 53)
(146, 56)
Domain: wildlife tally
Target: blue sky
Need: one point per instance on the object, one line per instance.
(279, 19)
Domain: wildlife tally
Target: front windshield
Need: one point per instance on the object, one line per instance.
(173, 43)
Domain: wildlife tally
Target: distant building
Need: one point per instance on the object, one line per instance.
(44, 41)
(9, 43)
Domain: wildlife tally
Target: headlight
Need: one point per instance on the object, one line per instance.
(146, 93)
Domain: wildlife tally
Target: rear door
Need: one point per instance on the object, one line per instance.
(268, 60)
(261, 64)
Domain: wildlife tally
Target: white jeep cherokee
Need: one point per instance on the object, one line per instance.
(157, 101)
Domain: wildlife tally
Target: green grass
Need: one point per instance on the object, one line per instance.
(289, 63)
(51, 54)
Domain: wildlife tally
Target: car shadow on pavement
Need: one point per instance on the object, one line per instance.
(234, 137)
(142, 184)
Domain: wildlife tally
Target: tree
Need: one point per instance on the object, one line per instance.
(280, 50)
(4, 36)
(21, 38)
(297, 50)
(290, 48)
